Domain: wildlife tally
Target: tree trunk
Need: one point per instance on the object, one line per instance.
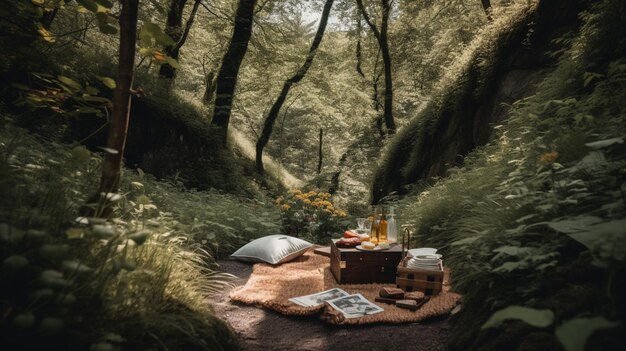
(268, 125)
(209, 90)
(227, 76)
(320, 153)
(173, 28)
(359, 55)
(112, 165)
(487, 8)
(381, 37)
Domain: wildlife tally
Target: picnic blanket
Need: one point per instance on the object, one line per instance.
(271, 287)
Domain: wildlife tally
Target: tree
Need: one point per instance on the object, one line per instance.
(487, 8)
(112, 165)
(227, 76)
(381, 37)
(174, 23)
(268, 124)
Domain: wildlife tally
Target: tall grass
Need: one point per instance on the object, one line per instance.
(134, 281)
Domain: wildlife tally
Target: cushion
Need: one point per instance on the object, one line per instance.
(273, 249)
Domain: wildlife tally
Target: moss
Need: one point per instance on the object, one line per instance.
(460, 117)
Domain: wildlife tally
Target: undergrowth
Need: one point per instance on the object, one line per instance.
(141, 279)
(533, 224)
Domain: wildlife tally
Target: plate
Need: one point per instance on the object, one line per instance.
(376, 248)
(422, 251)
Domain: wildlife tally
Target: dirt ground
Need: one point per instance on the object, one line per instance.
(261, 329)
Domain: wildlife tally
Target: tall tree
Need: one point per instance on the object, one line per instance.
(268, 124)
(381, 37)
(112, 165)
(178, 34)
(227, 76)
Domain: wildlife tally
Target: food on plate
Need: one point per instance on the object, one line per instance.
(350, 234)
(348, 242)
(383, 245)
(364, 237)
(368, 245)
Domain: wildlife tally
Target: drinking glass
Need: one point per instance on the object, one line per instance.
(361, 225)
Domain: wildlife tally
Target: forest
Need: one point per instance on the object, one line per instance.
(144, 142)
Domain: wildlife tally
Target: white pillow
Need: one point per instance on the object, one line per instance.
(273, 249)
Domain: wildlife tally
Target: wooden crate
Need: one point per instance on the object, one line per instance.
(411, 279)
(352, 266)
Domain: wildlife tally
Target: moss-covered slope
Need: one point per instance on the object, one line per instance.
(502, 68)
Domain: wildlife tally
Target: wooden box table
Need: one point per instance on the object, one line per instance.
(352, 266)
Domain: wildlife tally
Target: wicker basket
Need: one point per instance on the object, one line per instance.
(411, 279)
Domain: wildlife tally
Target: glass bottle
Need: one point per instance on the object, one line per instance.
(382, 225)
(392, 226)
(374, 233)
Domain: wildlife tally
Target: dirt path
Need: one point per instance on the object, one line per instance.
(261, 329)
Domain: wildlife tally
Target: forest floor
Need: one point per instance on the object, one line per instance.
(262, 329)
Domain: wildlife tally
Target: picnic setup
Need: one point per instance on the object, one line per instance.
(365, 276)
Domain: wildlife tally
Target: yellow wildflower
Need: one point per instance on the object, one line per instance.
(328, 211)
(549, 157)
(279, 200)
(307, 201)
(295, 191)
(285, 207)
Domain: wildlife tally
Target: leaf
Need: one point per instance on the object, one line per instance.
(87, 110)
(511, 266)
(140, 237)
(45, 34)
(106, 28)
(574, 225)
(465, 241)
(104, 3)
(600, 233)
(81, 153)
(172, 62)
(90, 5)
(530, 316)
(601, 144)
(573, 333)
(151, 30)
(108, 82)
(92, 90)
(513, 250)
(108, 150)
(69, 82)
(159, 56)
(74, 233)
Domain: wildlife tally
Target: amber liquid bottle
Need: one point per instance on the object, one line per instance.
(382, 226)
(374, 233)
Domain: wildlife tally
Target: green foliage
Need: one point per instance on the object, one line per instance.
(311, 215)
(220, 222)
(573, 334)
(531, 316)
(536, 217)
(80, 283)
